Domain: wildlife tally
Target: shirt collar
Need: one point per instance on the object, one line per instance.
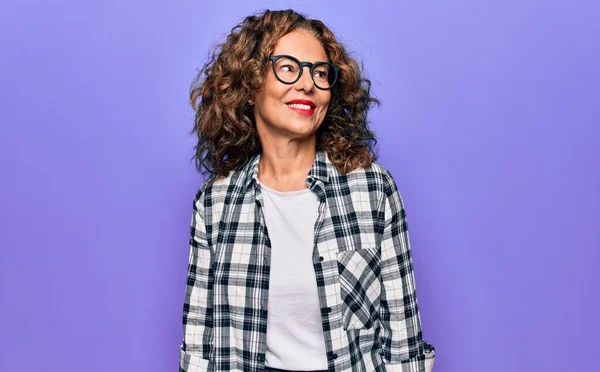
(320, 170)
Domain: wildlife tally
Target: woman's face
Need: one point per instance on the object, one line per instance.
(292, 111)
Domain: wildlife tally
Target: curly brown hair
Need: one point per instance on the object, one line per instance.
(225, 124)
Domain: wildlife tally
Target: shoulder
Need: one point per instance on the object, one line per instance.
(214, 189)
(375, 176)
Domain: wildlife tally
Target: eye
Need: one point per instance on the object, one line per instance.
(287, 68)
(321, 74)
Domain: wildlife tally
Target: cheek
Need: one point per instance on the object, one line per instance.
(325, 103)
(326, 97)
(273, 89)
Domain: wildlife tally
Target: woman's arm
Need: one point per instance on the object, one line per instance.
(197, 309)
(403, 347)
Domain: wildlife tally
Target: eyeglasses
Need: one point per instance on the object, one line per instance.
(288, 70)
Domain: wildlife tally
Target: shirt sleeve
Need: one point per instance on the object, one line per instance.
(403, 348)
(197, 308)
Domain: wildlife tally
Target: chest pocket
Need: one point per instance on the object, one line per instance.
(360, 284)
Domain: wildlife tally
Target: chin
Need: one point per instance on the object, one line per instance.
(302, 129)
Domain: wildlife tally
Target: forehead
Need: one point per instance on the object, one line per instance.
(302, 45)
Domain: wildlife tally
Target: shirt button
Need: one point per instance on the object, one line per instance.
(328, 310)
(321, 258)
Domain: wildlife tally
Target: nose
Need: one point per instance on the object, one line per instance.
(305, 83)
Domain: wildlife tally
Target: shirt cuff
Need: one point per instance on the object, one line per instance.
(420, 363)
(192, 363)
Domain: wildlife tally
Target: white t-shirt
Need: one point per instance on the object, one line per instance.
(295, 338)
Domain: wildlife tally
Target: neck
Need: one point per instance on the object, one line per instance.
(284, 167)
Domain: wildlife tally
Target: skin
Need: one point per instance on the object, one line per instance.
(288, 138)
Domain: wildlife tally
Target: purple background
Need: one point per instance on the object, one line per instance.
(489, 123)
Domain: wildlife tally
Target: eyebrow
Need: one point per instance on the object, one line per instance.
(326, 59)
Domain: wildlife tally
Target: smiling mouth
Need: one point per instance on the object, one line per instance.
(302, 108)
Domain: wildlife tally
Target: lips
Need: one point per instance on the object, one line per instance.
(302, 106)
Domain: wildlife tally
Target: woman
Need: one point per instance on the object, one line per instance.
(299, 254)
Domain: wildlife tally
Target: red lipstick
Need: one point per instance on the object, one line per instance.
(302, 106)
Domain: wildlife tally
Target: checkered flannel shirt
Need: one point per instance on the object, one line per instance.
(362, 262)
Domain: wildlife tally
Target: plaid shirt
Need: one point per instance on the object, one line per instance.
(362, 262)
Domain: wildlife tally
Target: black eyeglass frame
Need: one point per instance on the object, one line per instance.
(310, 65)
